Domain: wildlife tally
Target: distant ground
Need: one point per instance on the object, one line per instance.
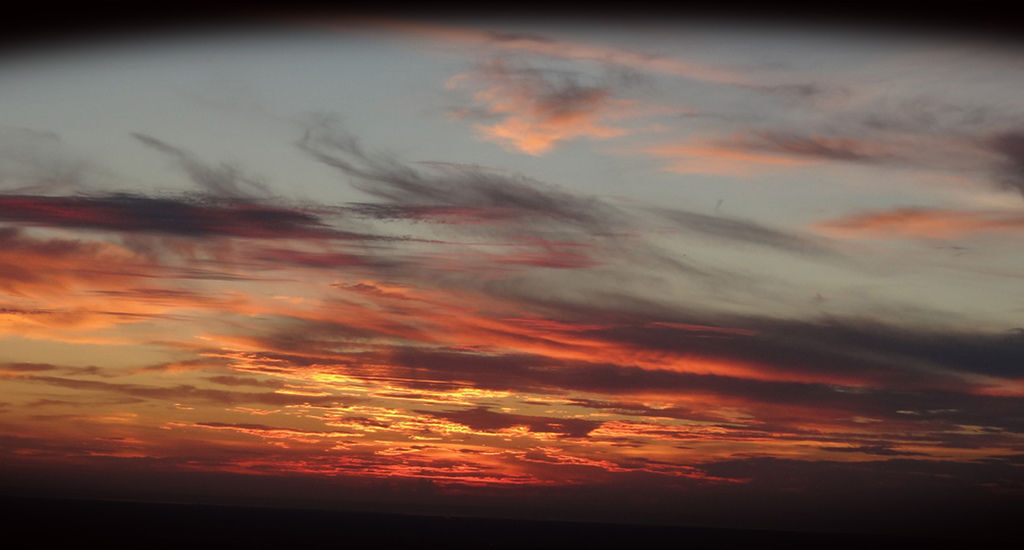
(148, 525)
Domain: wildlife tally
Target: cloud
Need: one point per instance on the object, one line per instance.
(750, 149)
(473, 198)
(702, 157)
(816, 146)
(31, 265)
(244, 381)
(942, 155)
(1010, 146)
(294, 257)
(800, 92)
(860, 348)
(481, 418)
(33, 161)
(541, 107)
(535, 44)
(509, 220)
(546, 375)
(861, 374)
(220, 181)
(924, 222)
(923, 115)
(186, 393)
(271, 432)
(26, 367)
(189, 216)
(738, 230)
(486, 193)
(831, 350)
(879, 450)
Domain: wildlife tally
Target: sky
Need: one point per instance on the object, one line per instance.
(645, 271)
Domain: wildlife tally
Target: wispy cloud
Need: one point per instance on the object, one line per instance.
(35, 161)
(542, 45)
(925, 223)
(221, 181)
(704, 157)
(743, 231)
(446, 186)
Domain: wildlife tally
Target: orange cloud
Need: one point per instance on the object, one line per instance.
(745, 152)
(710, 158)
(537, 135)
(924, 222)
(540, 110)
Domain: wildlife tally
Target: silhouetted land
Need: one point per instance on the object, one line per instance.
(74, 523)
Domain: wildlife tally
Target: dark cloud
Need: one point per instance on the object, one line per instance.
(881, 450)
(821, 147)
(256, 428)
(482, 418)
(324, 260)
(885, 353)
(531, 373)
(185, 393)
(743, 231)
(91, 402)
(435, 214)
(551, 227)
(500, 36)
(796, 91)
(918, 132)
(244, 381)
(1011, 146)
(220, 181)
(27, 367)
(198, 363)
(153, 294)
(924, 115)
(554, 228)
(486, 193)
(185, 216)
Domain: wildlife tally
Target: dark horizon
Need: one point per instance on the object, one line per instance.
(210, 526)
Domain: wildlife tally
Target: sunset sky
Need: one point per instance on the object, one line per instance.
(493, 260)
